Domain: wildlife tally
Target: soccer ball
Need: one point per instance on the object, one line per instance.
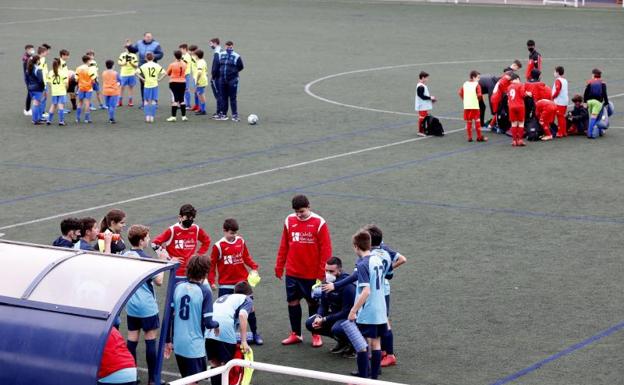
(252, 119)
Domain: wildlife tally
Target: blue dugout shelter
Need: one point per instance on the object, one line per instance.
(57, 307)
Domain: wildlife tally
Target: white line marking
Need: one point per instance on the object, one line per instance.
(308, 86)
(166, 373)
(56, 9)
(223, 180)
(67, 18)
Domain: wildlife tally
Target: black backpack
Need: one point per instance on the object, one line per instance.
(432, 126)
(502, 115)
(533, 130)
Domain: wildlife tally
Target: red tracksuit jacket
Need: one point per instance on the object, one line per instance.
(182, 243)
(230, 259)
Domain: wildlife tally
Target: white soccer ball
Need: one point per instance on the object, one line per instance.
(252, 119)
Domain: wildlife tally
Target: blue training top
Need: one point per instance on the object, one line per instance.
(143, 302)
(192, 314)
(371, 274)
(226, 311)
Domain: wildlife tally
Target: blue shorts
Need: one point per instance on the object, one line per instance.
(190, 366)
(373, 331)
(298, 288)
(128, 81)
(190, 82)
(225, 291)
(145, 323)
(84, 95)
(36, 95)
(96, 86)
(219, 351)
(200, 90)
(59, 99)
(150, 93)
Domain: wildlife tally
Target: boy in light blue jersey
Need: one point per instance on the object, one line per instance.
(231, 311)
(369, 309)
(390, 260)
(192, 315)
(142, 307)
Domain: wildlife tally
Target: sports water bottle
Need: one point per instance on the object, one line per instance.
(354, 335)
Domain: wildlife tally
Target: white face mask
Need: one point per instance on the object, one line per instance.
(330, 278)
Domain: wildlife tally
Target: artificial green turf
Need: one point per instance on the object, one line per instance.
(513, 254)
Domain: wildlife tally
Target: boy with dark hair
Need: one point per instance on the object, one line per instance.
(304, 249)
(216, 50)
(89, 230)
(471, 94)
(229, 257)
(86, 79)
(71, 83)
(515, 97)
(561, 99)
(201, 80)
(70, 233)
(595, 96)
(142, 307)
(369, 310)
(536, 87)
(128, 64)
(177, 84)
(192, 314)
(29, 51)
(424, 101)
(181, 240)
(188, 73)
(577, 119)
(535, 59)
(545, 112)
(231, 312)
(111, 89)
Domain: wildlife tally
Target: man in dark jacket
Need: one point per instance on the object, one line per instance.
(226, 70)
(334, 308)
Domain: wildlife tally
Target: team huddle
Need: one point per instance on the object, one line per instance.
(353, 309)
(525, 110)
(189, 76)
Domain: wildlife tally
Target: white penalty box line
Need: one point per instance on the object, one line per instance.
(224, 180)
(97, 13)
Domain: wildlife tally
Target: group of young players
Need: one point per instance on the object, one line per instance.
(189, 75)
(352, 307)
(516, 104)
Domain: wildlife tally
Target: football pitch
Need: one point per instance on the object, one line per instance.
(514, 272)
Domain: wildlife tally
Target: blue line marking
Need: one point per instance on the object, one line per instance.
(440, 155)
(60, 169)
(485, 210)
(556, 356)
(249, 154)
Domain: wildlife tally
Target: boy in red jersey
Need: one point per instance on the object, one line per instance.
(229, 257)
(545, 111)
(515, 97)
(535, 59)
(304, 249)
(181, 240)
(470, 93)
(536, 87)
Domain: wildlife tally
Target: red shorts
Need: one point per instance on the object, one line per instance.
(516, 114)
(470, 115)
(547, 118)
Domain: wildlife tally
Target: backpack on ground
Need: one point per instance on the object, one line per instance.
(432, 126)
(533, 130)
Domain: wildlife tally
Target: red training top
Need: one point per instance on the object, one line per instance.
(181, 243)
(230, 259)
(545, 110)
(515, 94)
(305, 247)
(538, 90)
(116, 355)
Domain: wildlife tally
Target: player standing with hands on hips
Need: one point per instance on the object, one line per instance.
(304, 249)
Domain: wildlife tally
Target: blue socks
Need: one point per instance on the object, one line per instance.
(387, 342)
(294, 315)
(78, 113)
(88, 115)
(132, 346)
(61, 115)
(111, 112)
(51, 116)
(362, 363)
(590, 128)
(202, 107)
(150, 357)
(187, 98)
(375, 363)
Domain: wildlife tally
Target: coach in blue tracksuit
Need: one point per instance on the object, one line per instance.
(334, 308)
(141, 48)
(226, 70)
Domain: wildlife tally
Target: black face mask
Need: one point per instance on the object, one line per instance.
(531, 49)
(187, 223)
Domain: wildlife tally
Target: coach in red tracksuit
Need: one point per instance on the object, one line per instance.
(117, 365)
(304, 249)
